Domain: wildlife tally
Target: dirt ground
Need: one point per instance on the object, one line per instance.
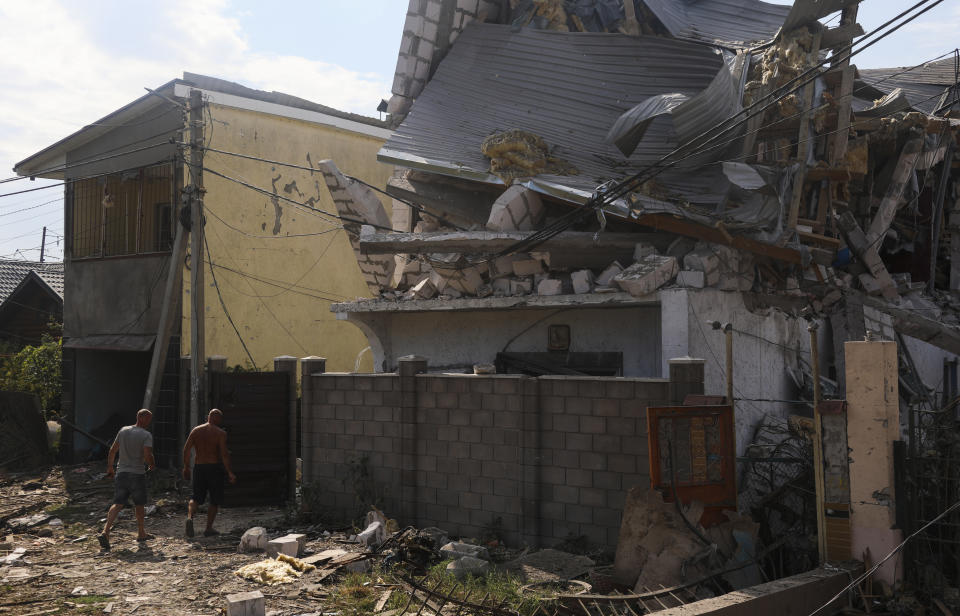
(52, 563)
(64, 571)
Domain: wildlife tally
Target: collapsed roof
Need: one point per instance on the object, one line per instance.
(813, 192)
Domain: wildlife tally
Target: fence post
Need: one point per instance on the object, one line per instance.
(288, 365)
(686, 377)
(408, 367)
(309, 366)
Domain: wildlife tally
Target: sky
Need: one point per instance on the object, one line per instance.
(65, 64)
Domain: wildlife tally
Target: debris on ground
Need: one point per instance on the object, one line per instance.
(281, 570)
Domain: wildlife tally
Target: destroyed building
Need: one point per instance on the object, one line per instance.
(572, 197)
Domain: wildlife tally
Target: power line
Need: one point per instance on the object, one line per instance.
(696, 144)
(295, 202)
(889, 555)
(415, 206)
(263, 303)
(224, 305)
(269, 237)
(280, 284)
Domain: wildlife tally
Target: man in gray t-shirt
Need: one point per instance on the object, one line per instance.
(135, 446)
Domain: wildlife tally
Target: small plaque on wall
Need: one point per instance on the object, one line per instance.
(558, 338)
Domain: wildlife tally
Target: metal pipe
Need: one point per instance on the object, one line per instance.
(728, 331)
(818, 445)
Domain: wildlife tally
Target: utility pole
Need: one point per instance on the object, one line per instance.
(43, 242)
(197, 311)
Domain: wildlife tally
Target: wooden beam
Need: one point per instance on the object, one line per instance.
(843, 96)
(938, 211)
(892, 199)
(804, 137)
(665, 222)
(834, 38)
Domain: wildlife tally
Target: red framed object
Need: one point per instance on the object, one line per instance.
(696, 445)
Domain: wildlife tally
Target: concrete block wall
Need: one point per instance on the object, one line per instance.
(429, 29)
(551, 457)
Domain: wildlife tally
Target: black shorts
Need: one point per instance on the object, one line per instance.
(208, 478)
(130, 486)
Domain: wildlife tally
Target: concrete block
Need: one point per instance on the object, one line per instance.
(517, 209)
(527, 267)
(550, 286)
(642, 250)
(501, 286)
(502, 266)
(424, 289)
(523, 286)
(647, 276)
(606, 276)
(702, 260)
(468, 565)
(246, 604)
(582, 281)
(691, 278)
(456, 550)
(283, 545)
(373, 535)
(254, 539)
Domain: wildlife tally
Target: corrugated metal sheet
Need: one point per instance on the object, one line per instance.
(729, 23)
(12, 274)
(922, 86)
(569, 88)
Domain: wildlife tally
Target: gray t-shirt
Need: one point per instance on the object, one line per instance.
(132, 440)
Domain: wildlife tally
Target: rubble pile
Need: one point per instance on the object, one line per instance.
(657, 548)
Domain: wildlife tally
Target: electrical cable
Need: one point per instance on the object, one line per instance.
(889, 555)
(415, 206)
(599, 200)
(293, 201)
(224, 306)
(263, 303)
(269, 237)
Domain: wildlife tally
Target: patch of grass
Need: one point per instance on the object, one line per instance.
(5, 588)
(92, 599)
(66, 511)
(355, 595)
(497, 586)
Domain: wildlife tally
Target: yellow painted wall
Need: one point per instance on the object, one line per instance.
(281, 301)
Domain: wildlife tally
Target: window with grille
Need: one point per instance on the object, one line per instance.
(123, 213)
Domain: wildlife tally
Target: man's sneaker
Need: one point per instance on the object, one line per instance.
(210, 533)
(104, 542)
(189, 529)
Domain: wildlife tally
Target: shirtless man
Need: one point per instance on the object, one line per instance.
(135, 446)
(210, 441)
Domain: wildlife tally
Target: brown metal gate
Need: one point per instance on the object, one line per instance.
(256, 415)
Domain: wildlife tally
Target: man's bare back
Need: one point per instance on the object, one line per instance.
(209, 441)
